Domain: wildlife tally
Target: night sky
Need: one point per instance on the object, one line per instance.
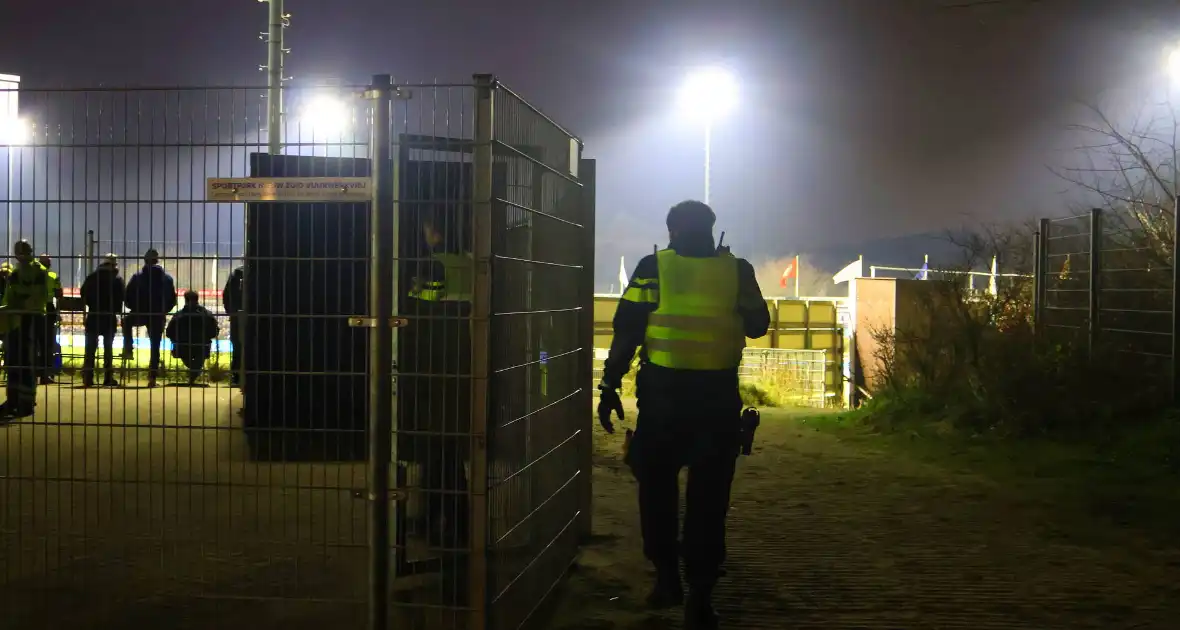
(858, 119)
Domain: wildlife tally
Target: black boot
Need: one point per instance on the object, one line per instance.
(698, 610)
(668, 591)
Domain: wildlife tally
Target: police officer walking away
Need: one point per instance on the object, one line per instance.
(23, 308)
(150, 296)
(690, 307)
(102, 294)
(47, 347)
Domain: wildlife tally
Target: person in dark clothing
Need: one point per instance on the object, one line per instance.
(150, 296)
(690, 307)
(102, 294)
(48, 349)
(192, 331)
(231, 299)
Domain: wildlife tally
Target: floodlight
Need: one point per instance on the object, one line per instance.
(709, 93)
(15, 131)
(326, 115)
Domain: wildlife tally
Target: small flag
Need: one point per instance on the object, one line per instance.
(622, 275)
(991, 282)
(850, 271)
(788, 273)
(922, 273)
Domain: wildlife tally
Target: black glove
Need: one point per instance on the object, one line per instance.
(608, 401)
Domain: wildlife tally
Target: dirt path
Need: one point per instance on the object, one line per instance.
(826, 533)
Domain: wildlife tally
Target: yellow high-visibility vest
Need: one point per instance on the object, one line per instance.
(458, 270)
(28, 289)
(696, 325)
(54, 285)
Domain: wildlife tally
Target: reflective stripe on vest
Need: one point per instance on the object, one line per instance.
(696, 325)
(27, 289)
(458, 270)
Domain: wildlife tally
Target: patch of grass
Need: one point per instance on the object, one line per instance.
(1128, 479)
(216, 367)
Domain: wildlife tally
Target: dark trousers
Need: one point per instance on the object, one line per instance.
(46, 343)
(235, 341)
(20, 356)
(155, 329)
(704, 438)
(193, 356)
(100, 325)
(446, 493)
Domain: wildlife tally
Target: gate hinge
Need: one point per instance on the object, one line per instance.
(394, 495)
(371, 322)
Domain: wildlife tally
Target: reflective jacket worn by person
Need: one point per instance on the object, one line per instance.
(151, 290)
(55, 289)
(446, 279)
(690, 309)
(26, 294)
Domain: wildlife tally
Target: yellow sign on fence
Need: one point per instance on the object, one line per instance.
(280, 189)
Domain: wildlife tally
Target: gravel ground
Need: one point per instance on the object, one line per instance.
(825, 533)
(830, 533)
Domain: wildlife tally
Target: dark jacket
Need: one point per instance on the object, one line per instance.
(151, 291)
(192, 328)
(103, 291)
(630, 326)
(231, 295)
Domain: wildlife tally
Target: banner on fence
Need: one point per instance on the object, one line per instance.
(280, 189)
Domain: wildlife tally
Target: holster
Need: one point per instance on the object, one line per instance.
(749, 424)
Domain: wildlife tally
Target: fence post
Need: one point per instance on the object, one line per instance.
(481, 340)
(382, 251)
(89, 254)
(1040, 256)
(773, 305)
(587, 175)
(275, 54)
(1095, 273)
(1176, 298)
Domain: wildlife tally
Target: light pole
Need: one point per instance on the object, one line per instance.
(14, 132)
(708, 94)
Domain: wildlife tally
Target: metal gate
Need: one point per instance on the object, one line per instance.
(409, 444)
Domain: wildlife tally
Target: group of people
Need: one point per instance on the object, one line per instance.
(149, 296)
(30, 292)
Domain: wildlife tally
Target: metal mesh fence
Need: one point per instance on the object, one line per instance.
(150, 503)
(538, 421)
(171, 495)
(1105, 279)
(789, 376)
